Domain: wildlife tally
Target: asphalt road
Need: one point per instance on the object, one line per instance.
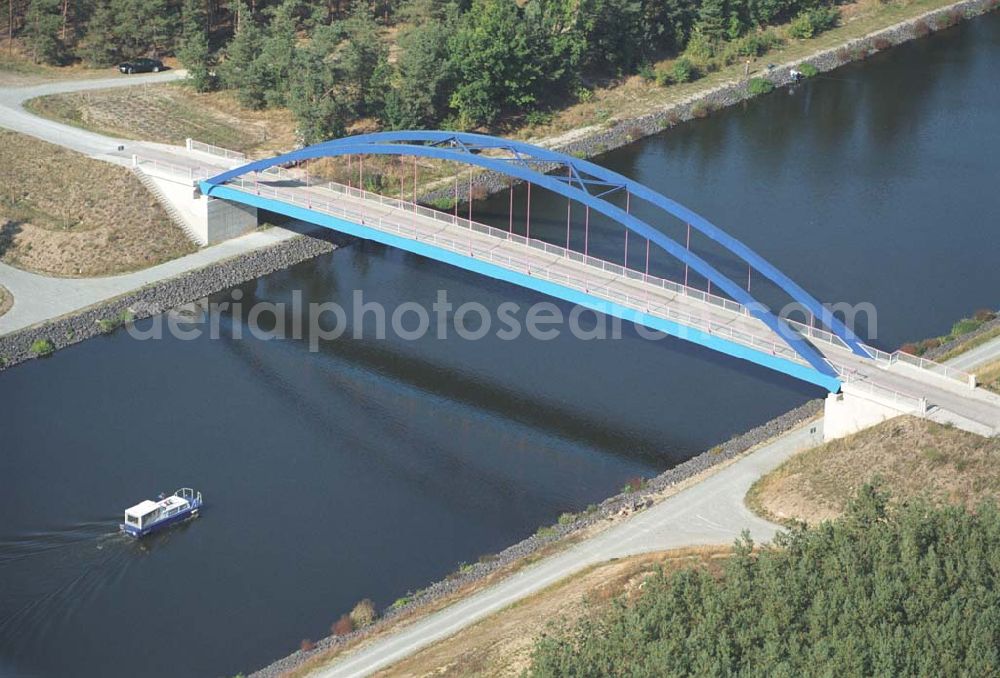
(14, 117)
(980, 355)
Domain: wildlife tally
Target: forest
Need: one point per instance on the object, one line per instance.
(411, 63)
(888, 589)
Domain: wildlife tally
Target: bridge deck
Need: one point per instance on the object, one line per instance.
(689, 310)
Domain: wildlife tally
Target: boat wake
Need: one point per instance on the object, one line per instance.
(46, 576)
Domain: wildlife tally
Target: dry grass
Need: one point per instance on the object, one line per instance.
(501, 644)
(169, 113)
(64, 214)
(989, 376)
(6, 300)
(909, 456)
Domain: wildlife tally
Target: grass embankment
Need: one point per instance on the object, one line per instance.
(64, 214)
(501, 644)
(909, 457)
(170, 114)
(6, 300)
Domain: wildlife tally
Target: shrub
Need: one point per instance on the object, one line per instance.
(307, 645)
(881, 44)
(545, 531)
(538, 118)
(647, 72)
(342, 626)
(984, 315)
(584, 95)
(921, 29)
(843, 55)
(567, 518)
(813, 22)
(442, 203)
(701, 110)
(911, 348)
(42, 347)
(753, 44)
(682, 70)
(634, 484)
(634, 132)
(808, 70)
(363, 614)
(964, 326)
(700, 50)
(758, 86)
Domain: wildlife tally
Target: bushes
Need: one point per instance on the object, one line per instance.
(701, 110)
(808, 70)
(921, 29)
(758, 86)
(813, 22)
(363, 614)
(342, 626)
(42, 347)
(881, 44)
(884, 590)
(682, 70)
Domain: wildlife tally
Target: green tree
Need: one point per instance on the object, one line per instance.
(42, 22)
(242, 69)
(424, 79)
(494, 63)
(712, 19)
(319, 112)
(194, 52)
(362, 60)
(613, 34)
(274, 64)
(888, 589)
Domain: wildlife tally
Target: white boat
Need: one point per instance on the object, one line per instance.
(150, 516)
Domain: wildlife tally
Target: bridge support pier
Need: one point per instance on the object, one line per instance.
(855, 409)
(207, 221)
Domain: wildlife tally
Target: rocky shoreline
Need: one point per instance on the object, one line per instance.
(627, 131)
(618, 505)
(21, 345)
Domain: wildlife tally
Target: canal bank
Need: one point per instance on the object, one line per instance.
(45, 338)
(622, 132)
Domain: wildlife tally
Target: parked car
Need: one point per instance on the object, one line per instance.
(141, 66)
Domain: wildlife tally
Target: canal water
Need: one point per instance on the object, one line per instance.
(372, 467)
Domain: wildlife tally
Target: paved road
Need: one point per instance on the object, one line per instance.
(980, 355)
(13, 116)
(710, 512)
(38, 297)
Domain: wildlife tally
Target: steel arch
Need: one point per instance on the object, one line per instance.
(580, 183)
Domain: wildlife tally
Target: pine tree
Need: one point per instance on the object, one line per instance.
(194, 51)
(42, 23)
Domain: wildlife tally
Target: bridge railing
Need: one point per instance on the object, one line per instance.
(638, 302)
(219, 151)
(173, 171)
(557, 250)
(853, 381)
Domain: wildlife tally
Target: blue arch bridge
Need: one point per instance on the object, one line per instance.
(725, 316)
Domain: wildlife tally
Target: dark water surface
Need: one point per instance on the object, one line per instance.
(373, 467)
